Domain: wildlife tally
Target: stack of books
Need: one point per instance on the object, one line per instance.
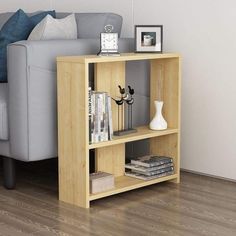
(150, 167)
(100, 117)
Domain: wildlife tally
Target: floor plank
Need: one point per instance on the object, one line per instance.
(199, 205)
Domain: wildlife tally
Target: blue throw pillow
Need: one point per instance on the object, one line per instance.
(38, 17)
(18, 27)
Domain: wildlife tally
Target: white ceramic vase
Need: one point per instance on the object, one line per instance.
(158, 122)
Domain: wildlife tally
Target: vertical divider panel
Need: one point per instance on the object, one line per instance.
(108, 75)
(73, 140)
(165, 85)
(156, 83)
(167, 145)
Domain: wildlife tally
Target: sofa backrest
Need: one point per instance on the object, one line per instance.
(90, 25)
(4, 17)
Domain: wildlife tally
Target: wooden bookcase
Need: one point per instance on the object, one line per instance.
(73, 132)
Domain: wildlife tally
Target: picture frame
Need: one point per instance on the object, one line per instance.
(149, 38)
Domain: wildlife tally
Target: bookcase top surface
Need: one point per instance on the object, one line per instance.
(122, 57)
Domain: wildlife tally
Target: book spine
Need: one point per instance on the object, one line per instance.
(100, 117)
(157, 172)
(170, 164)
(90, 113)
(103, 117)
(106, 118)
(96, 119)
(110, 125)
(143, 177)
(161, 162)
(93, 117)
(156, 163)
(147, 169)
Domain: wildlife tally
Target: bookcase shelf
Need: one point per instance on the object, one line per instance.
(125, 183)
(143, 132)
(73, 75)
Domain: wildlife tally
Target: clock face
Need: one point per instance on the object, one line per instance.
(109, 41)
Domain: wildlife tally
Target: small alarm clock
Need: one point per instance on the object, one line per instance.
(109, 42)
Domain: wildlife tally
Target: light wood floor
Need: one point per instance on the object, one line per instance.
(198, 206)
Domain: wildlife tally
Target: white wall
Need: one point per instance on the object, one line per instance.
(204, 33)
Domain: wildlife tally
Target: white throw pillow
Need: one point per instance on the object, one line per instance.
(51, 28)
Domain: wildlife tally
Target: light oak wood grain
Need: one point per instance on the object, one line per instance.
(143, 132)
(108, 76)
(123, 57)
(72, 83)
(109, 73)
(165, 85)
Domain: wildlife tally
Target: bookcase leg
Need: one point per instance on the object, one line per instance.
(177, 180)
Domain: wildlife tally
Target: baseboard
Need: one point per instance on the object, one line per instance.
(208, 175)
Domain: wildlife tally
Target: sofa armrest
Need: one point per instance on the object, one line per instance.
(32, 93)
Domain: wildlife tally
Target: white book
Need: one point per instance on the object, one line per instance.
(103, 118)
(92, 117)
(106, 119)
(110, 124)
(96, 119)
(90, 113)
(99, 116)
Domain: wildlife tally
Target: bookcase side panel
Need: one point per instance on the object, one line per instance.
(72, 133)
(108, 76)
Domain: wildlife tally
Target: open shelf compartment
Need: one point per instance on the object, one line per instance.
(125, 183)
(163, 145)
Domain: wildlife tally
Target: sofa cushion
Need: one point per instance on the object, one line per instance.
(16, 28)
(36, 18)
(50, 28)
(3, 112)
(90, 25)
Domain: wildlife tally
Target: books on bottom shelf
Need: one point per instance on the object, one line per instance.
(150, 167)
(151, 160)
(100, 117)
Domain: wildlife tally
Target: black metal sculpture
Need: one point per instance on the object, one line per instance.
(129, 100)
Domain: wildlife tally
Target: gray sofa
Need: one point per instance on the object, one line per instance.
(28, 115)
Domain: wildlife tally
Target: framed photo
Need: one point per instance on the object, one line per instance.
(148, 38)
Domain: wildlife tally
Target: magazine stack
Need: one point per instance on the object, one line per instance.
(150, 167)
(100, 117)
